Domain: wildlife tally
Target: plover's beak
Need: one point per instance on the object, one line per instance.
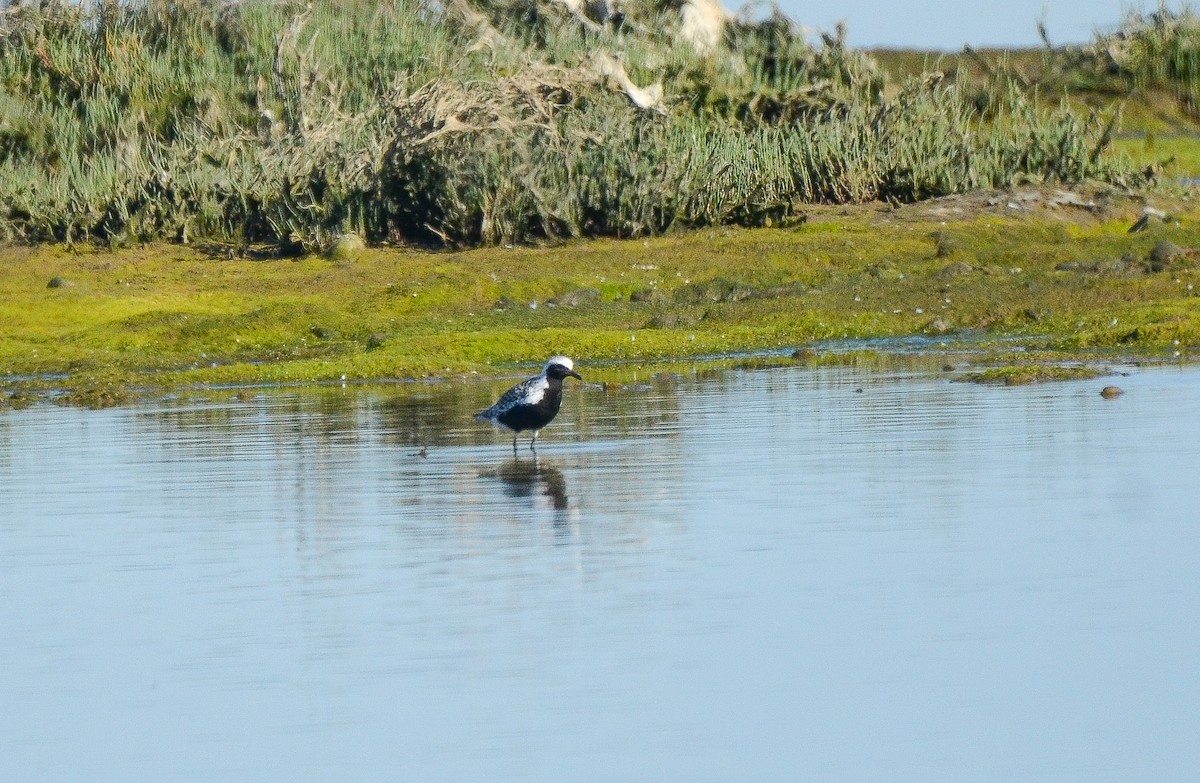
(574, 374)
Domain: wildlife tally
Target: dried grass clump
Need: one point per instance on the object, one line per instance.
(461, 123)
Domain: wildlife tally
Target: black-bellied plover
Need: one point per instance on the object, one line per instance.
(532, 404)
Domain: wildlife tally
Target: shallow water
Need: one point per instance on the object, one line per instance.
(787, 574)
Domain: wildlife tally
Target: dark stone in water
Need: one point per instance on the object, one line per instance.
(1111, 392)
(804, 354)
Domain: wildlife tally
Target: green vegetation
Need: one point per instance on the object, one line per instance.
(1155, 50)
(1178, 156)
(253, 133)
(1024, 374)
(1147, 69)
(1058, 271)
(510, 121)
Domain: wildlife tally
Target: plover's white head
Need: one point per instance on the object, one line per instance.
(559, 367)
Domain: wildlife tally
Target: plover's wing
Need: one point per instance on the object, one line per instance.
(524, 393)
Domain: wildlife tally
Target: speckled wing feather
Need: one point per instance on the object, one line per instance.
(524, 393)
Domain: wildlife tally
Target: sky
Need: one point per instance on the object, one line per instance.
(947, 25)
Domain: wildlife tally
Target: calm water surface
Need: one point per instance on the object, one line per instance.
(791, 574)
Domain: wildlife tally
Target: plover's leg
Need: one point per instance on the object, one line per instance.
(533, 443)
(515, 442)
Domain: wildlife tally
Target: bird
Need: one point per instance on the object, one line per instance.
(532, 404)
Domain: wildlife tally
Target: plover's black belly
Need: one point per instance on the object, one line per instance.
(533, 417)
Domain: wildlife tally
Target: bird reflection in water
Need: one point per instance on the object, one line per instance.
(527, 478)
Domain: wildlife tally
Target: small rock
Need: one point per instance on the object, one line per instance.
(1111, 392)
(504, 303)
(1135, 265)
(576, 298)
(345, 247)
(375, 341)
(939, 325)
(1165, 252)
(804, 354)
(957, 269)
(651, 295)
(59, 282)
(322, 332)
(716, 290)
(1127, 264)
(884, 271)
(672, 321)
(946, 244)
(1067, 198)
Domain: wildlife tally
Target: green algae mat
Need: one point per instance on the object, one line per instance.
(1060, 269)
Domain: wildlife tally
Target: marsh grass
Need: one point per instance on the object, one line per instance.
(1032, 372)
(289, 123)
(1156, 49)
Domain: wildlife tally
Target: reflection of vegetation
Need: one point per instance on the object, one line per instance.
(404, 417)
(429, 416)
(448, 123)
(98, 389)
